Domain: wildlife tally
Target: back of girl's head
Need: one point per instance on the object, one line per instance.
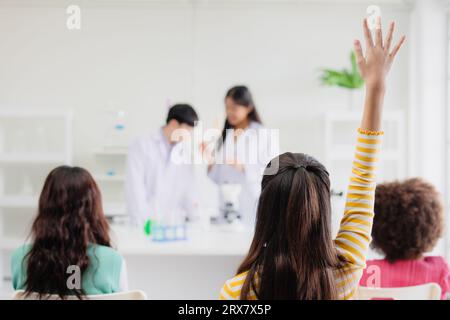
(292, 255)
(408, 219)
(69, 218)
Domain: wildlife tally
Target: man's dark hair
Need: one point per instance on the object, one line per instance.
(183, 113)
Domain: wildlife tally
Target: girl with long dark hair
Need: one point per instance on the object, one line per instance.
(292, 255)
(243, 150)
(70, 238)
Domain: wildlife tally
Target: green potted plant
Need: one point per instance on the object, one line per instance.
(348, 79)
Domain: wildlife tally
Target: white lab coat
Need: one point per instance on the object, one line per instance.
(156, 186)
(254, 149)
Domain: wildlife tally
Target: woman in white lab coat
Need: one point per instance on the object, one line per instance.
(243, 151)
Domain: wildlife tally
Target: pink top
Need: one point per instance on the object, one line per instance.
(405, 273)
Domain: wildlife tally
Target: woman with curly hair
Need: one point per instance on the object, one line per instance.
(70, 234)
(408, 222)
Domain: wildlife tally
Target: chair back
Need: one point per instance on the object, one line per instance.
(429, 291)
(128, 295)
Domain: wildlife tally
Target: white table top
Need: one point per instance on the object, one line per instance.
(201, 241)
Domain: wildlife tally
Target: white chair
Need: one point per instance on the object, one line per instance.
(429, 291)
(129, 295)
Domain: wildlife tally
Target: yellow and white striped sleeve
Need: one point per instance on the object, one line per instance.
(226, 293)
(354, 235)
(233, 287)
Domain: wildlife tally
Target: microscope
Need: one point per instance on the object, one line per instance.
(230, 211)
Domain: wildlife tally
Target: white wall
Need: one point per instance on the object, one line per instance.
(137, 55)
(427, 129)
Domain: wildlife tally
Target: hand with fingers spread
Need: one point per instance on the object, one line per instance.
(374, 66)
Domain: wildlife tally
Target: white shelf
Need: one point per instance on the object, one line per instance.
(37, 158)
(31, 113)
(26, 117)
(18, 202)
(339, 137)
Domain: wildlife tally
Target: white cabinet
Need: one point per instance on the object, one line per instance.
(109, 172)
(340, 138)
(32, 142)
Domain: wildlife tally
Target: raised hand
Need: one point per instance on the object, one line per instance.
(374, 67)
(377, 61)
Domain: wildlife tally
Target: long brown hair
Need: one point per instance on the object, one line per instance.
(70, 217)
(292, 255)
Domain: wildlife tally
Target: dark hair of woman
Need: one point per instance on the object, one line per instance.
(292, 255)
(242, 96)
(70, 217)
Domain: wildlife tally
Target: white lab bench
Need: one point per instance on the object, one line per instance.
(195, 268)
(190, 269)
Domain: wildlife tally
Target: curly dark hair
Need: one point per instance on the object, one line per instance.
(70, 217)
(408, 219)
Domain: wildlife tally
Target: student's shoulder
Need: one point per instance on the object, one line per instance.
(237, 280)
(18, 254)
(105, 253)
(231, 290)
(375, 262)
(438, 262)
(18, 266)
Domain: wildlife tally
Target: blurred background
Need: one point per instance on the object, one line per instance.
(63, 91)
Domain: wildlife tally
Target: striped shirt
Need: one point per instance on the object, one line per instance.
(354, 236)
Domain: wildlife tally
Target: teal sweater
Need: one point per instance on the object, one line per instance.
(101, 277)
